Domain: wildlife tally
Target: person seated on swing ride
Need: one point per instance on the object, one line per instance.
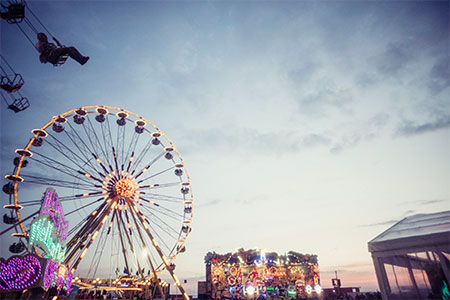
(49, 52)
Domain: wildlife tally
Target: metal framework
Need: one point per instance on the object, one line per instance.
(123, 185)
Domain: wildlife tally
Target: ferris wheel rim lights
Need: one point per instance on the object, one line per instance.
(126, 185)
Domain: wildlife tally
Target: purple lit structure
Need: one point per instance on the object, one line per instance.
(50, 271)
(46, 237)
(53, 209)
(19, 273)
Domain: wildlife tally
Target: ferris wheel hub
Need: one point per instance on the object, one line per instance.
(125, 188)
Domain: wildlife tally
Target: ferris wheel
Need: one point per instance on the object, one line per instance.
(123, 187)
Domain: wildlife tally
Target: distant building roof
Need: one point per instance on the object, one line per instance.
(419, 230)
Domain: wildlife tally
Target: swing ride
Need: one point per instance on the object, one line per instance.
(124, 189)
(11, 82)
(15, 14)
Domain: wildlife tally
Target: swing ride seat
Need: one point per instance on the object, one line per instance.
(19, 104)
(15, 13)
(11, 83)
(11, 88)
(61, 60)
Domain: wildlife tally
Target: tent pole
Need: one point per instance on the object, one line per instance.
(443, 264)
(413, 280)
(380, 272)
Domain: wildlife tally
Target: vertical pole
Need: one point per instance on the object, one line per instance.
(444, 267)
(413, 280)
(382, 279)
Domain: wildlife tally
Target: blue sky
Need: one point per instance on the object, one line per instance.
(305, 126)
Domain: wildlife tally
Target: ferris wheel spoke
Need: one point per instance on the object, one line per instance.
(44, 180)
(80, 143)
(167, 198)
(144, 152)
(159, 238)
(70, 155)
(58, 182)
(124, 156)
(135, 241)
(149, 259)
(160, 208)
(107, 139)
(56, 165)
(93, 138)
(169, 212)
(60, 199)
(156, 214)
(158, 186)
(156, 174)
(82, 207)
(148, 165)
(98, 251)
(120, 142)
(122, 243)
(131, 149)
(150, 223)
(90, 234)
(38, 202)
(90, 221)
(81, 223)
(168, 227)
(19, 222)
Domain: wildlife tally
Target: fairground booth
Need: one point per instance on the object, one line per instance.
(411, 258)
(254, 273)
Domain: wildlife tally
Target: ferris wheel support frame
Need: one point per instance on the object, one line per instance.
(77, 246)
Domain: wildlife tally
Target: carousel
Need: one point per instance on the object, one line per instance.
(257, 274)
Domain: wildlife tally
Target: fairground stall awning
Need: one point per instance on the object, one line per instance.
(411, 258)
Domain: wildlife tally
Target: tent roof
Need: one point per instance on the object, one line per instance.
(419, 230)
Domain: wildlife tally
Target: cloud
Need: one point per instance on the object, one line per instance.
(439, 76)
(314, 140)
(390, 222)
(209, 203)
(343, 268)
(396, 56)
(408, 128)
(326, 94)
(363, 132)
(219, 139)
(424, 202)
(302, 74)
(409, 212)
(365, 79)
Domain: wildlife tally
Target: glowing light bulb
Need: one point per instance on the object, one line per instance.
(250, 290)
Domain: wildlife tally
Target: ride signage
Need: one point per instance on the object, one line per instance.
(52, 207)
(42, 236)
(49, 231)
(47, 234)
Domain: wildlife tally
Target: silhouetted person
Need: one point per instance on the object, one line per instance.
(49, 52)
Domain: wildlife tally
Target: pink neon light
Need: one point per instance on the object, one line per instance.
(52, 207)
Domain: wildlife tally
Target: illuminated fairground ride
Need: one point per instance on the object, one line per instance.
(124, 189)
(256, 274)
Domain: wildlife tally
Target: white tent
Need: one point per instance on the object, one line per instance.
(412, 258)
